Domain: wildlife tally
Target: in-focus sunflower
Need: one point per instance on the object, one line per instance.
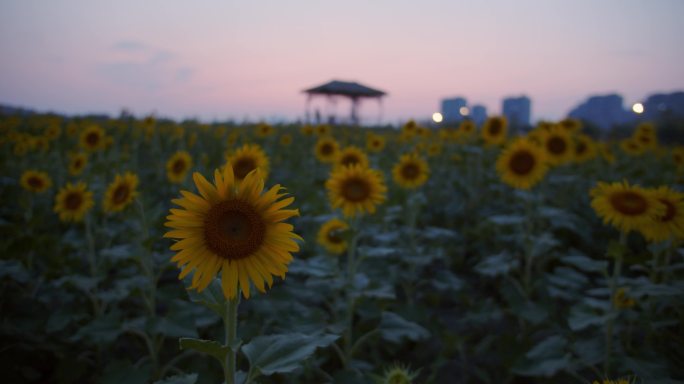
(351, 155)
(92, 138)
(411, 171)
(73, 201)
(669, 225)
(35, 181)
(356, 189)
(624, 206)
(557, 144)
(77, 162)
(178, 166)
(330, 236)
(248, 158)
(375, 143)
(585, 148)
(120, 193)
(494, 130)
(326, 149)
(233, 228)
(522, 164)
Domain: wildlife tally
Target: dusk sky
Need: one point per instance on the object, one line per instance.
(251, 59)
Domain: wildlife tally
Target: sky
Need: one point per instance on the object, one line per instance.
(221, 59)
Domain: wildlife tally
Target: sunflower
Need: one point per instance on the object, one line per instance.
(631, 147)
(35, 181)
(323, 130)
(73, 202)
(375, 143)
(571, 125)
(178, 166)
(647, 140)
(558, 145)
(77, 162)
(494, 130)
(120, 193)
(286, 139)
(307, 130)
(626, 207)
(248, 158)
(671, 223)
(622, 301)
(326, 149)
(678, 156)
(585, 148)
(356, 189)
(232, 228)
(351, 155)
(608, 381)
(330, 236)
(606, 152)
(467, 128)
(522, 164)
(411, 171)
(92, 138)
(264, 130)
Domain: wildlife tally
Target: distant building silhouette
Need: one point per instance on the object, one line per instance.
(517, 110)
(604, 111)
(478, 113)
(664, 105)
(451, 109)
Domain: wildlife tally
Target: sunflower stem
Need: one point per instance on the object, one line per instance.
(230, 325)
(617, 267)
(351, 271)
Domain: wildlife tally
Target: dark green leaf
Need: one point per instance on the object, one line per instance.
(283, 353)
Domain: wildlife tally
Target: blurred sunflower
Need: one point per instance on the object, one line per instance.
(330, 236)
(307, 130)
(178, 166)
(73, 201)
(585, 148)
(411, 171)
(77, 162)
(678, 156)
(92, 138)
(323, 130)
(607, 381)
(35, 181)
(52, 132)
(494, 130)
(467, 128)
(557, 144)
(622, 301)
(398, 374)
(625, 207)
(351, 155)
(522, 164)
(120, 193)
(326, 149)
(571, 125)
(356, 189)
(375, 143)
(669, 225)
(248, 158)
(264, 130)
(647, 140)
(285, 139)
(233, 228)
(631, 147)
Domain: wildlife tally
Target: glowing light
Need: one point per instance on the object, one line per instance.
(437, 117)
(464, 111)
(638, 108)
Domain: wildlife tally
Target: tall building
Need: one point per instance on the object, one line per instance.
(451, 109)
(605, 111)
(517, 111)
(478, 113)
(664, 105)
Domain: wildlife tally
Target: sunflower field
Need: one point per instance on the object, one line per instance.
(153, 251)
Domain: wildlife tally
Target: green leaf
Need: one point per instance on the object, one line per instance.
(212, 348)
(321, 266)
(553, 346)
(283, 353)
(118, 253)
(190, 378)
(507, 219)
(582, 317)
(121, 371)
(544, 368)
(212, 297)
(499, 264)
(583, 262)
(394, 327)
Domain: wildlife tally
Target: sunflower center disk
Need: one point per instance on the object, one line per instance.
(178, 166)
(410, 171)
(522, 163)
(243, 166)
(73, 201)
(350, 160)
(120, 194)
(356, 190)
(495, 127)
(581, 148)
(334, 236)
(92, 138)
(326, 149)
(35, 182)
(234, 230)
(629, 203)
(556, 145)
